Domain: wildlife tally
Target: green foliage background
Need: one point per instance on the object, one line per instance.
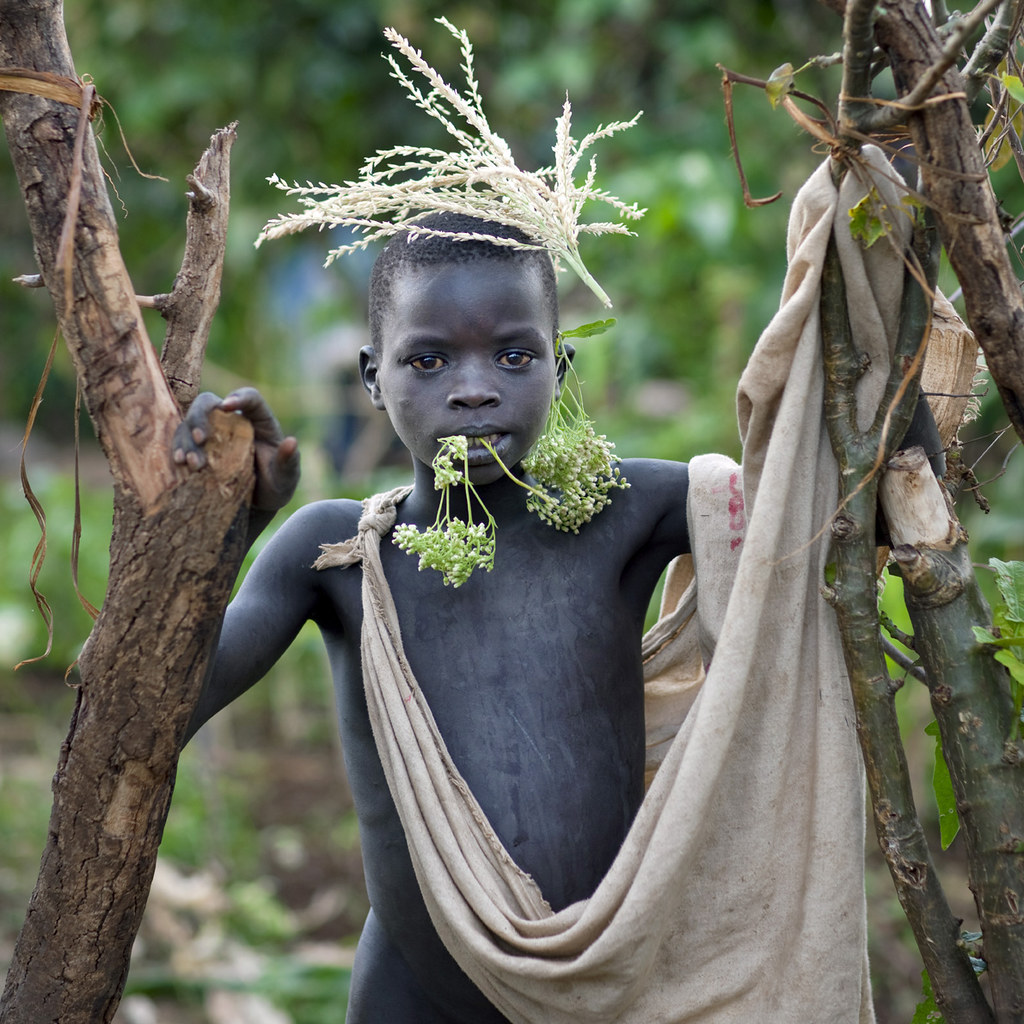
(312, 97)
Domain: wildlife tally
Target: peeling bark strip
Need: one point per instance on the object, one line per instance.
(177, 544)
(123, 385)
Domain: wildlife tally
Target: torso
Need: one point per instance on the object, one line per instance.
(534, 678)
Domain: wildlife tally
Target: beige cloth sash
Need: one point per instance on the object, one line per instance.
(738, 894)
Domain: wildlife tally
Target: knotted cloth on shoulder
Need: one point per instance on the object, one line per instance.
(738, 894)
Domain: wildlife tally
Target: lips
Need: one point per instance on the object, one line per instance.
(478, 454)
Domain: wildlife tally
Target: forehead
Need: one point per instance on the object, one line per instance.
(477, 294)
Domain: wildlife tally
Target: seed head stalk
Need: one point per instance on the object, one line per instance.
(398, 187)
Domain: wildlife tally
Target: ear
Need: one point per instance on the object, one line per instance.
(564, 353)
(368, 373)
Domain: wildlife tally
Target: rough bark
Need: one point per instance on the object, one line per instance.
(177, 543)
(140, 676)
(970, 696)
(956, 186)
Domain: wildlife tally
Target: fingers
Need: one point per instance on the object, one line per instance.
(252, 405)
(277, 474)
(277, 457)
(287, 451)
(193, 432)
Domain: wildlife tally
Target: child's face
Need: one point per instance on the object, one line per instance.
(467, 348)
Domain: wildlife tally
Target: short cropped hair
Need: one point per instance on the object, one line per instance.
(401, 254)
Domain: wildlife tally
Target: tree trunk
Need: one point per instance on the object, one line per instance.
(956, 186)
(177, 543)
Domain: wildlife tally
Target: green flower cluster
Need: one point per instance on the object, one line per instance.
(574, 461)
(452, 547)
(571, 462)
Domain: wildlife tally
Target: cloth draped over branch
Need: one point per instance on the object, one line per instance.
(738, 894)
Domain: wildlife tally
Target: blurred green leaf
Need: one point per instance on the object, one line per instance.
(1010, 582)
(591, 330)
(942, 786)
(1013, 86)
(927, 1012)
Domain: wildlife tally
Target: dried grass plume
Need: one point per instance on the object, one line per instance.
(479, 177)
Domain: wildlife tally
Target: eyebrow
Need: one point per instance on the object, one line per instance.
(524, 332)
(514, 334)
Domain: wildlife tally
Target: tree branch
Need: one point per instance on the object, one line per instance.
(125, 391)
(858, 49)
(993, 47)
(190, 307)
(956, 187)
(177, 545)
(869, 119)
(974, 709)
(853, 595)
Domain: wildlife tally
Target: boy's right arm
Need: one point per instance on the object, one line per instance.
(275, 599)
(278, 595)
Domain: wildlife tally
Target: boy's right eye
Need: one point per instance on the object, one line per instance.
(426, 363)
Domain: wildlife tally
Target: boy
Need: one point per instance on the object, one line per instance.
(532, 671)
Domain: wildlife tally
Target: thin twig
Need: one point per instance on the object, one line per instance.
(906, 663)
(989, 53)
(870, 120)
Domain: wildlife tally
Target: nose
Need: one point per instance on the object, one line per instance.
(473, 389)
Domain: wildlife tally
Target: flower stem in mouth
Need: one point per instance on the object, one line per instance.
(538, 492)
(452, 547)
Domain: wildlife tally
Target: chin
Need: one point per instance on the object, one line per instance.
(491, 473)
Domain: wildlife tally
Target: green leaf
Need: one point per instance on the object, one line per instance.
(1009, 629)
(1013, 86)
(914, 207)
(780, 82)
(986, 636)
(927, 1012)
(1010, 581)
(945, 798)
(865, 223)
(591, 330)
(1013, 663)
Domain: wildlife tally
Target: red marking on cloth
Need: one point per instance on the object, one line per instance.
(737, 520)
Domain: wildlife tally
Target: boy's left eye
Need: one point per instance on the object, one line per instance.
(515, 358)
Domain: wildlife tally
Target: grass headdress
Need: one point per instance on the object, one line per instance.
(399, 187)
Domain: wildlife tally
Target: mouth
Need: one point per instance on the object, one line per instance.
(477, 451)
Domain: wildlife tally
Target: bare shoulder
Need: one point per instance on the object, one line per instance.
(656, 498)
(295, 544)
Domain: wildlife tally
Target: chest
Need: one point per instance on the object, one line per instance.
(545, 638)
